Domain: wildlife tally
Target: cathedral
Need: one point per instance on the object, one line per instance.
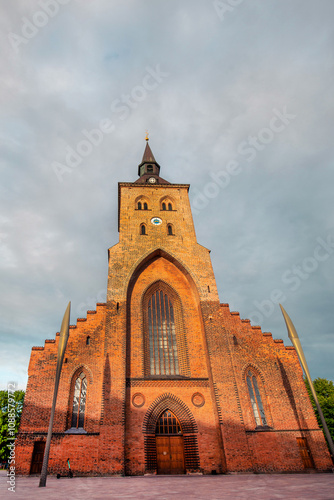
(163, 378)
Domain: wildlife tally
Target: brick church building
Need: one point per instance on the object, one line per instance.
(163, 378)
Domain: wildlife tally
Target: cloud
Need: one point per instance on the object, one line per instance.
(225, 78)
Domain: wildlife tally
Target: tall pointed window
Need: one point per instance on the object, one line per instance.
(163, 355)
(79, 401)
(256, 402)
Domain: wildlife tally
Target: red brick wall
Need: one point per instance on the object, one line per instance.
(218, 348)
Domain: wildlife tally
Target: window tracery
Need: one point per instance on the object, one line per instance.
(167, 203)
(256, 401)
(168, 424)
(163, 354)
(79, 401)
(142, 203)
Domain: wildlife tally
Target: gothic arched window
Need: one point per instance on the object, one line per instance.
(256, 402)
(168, 424)
(142, 229)
(142, 203)
(163, 355)
(167, 203)
(79, 401)
(170, 229)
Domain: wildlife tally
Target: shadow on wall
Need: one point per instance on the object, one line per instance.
(288, 389)
(101, 450)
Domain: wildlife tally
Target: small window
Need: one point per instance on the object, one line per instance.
(170, 229)
(145, 206)
(170, 206)
(143, 229)
(139, 205)
(164, 206)
(88, 340)
(150, 168)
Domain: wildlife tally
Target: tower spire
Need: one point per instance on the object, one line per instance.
(149, 168)
(148, 156)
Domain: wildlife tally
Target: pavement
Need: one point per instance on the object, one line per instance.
(239, 486)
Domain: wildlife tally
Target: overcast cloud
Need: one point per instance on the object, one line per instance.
(238, 99)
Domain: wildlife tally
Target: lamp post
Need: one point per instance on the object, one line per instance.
(293, 336)
(64, 333)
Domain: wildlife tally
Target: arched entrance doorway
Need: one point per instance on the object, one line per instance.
(157, 415)
(169, 444)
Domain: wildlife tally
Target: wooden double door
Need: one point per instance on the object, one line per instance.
(170, 454)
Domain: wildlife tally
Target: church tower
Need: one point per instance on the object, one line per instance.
(163, 378)
(162, 289)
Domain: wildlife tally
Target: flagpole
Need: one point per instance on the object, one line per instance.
(63, 337)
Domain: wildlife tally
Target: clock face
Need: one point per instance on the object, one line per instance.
(156, 221)
(152, 180)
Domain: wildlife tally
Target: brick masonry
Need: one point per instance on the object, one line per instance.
(216, 351)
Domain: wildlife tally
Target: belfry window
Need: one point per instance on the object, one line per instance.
(79, 401)
(141, 205)
(167, 204)
(256, 402)
(163, 353)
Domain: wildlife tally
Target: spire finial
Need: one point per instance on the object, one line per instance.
(146, 138)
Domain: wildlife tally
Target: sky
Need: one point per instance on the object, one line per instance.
(237, 97)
